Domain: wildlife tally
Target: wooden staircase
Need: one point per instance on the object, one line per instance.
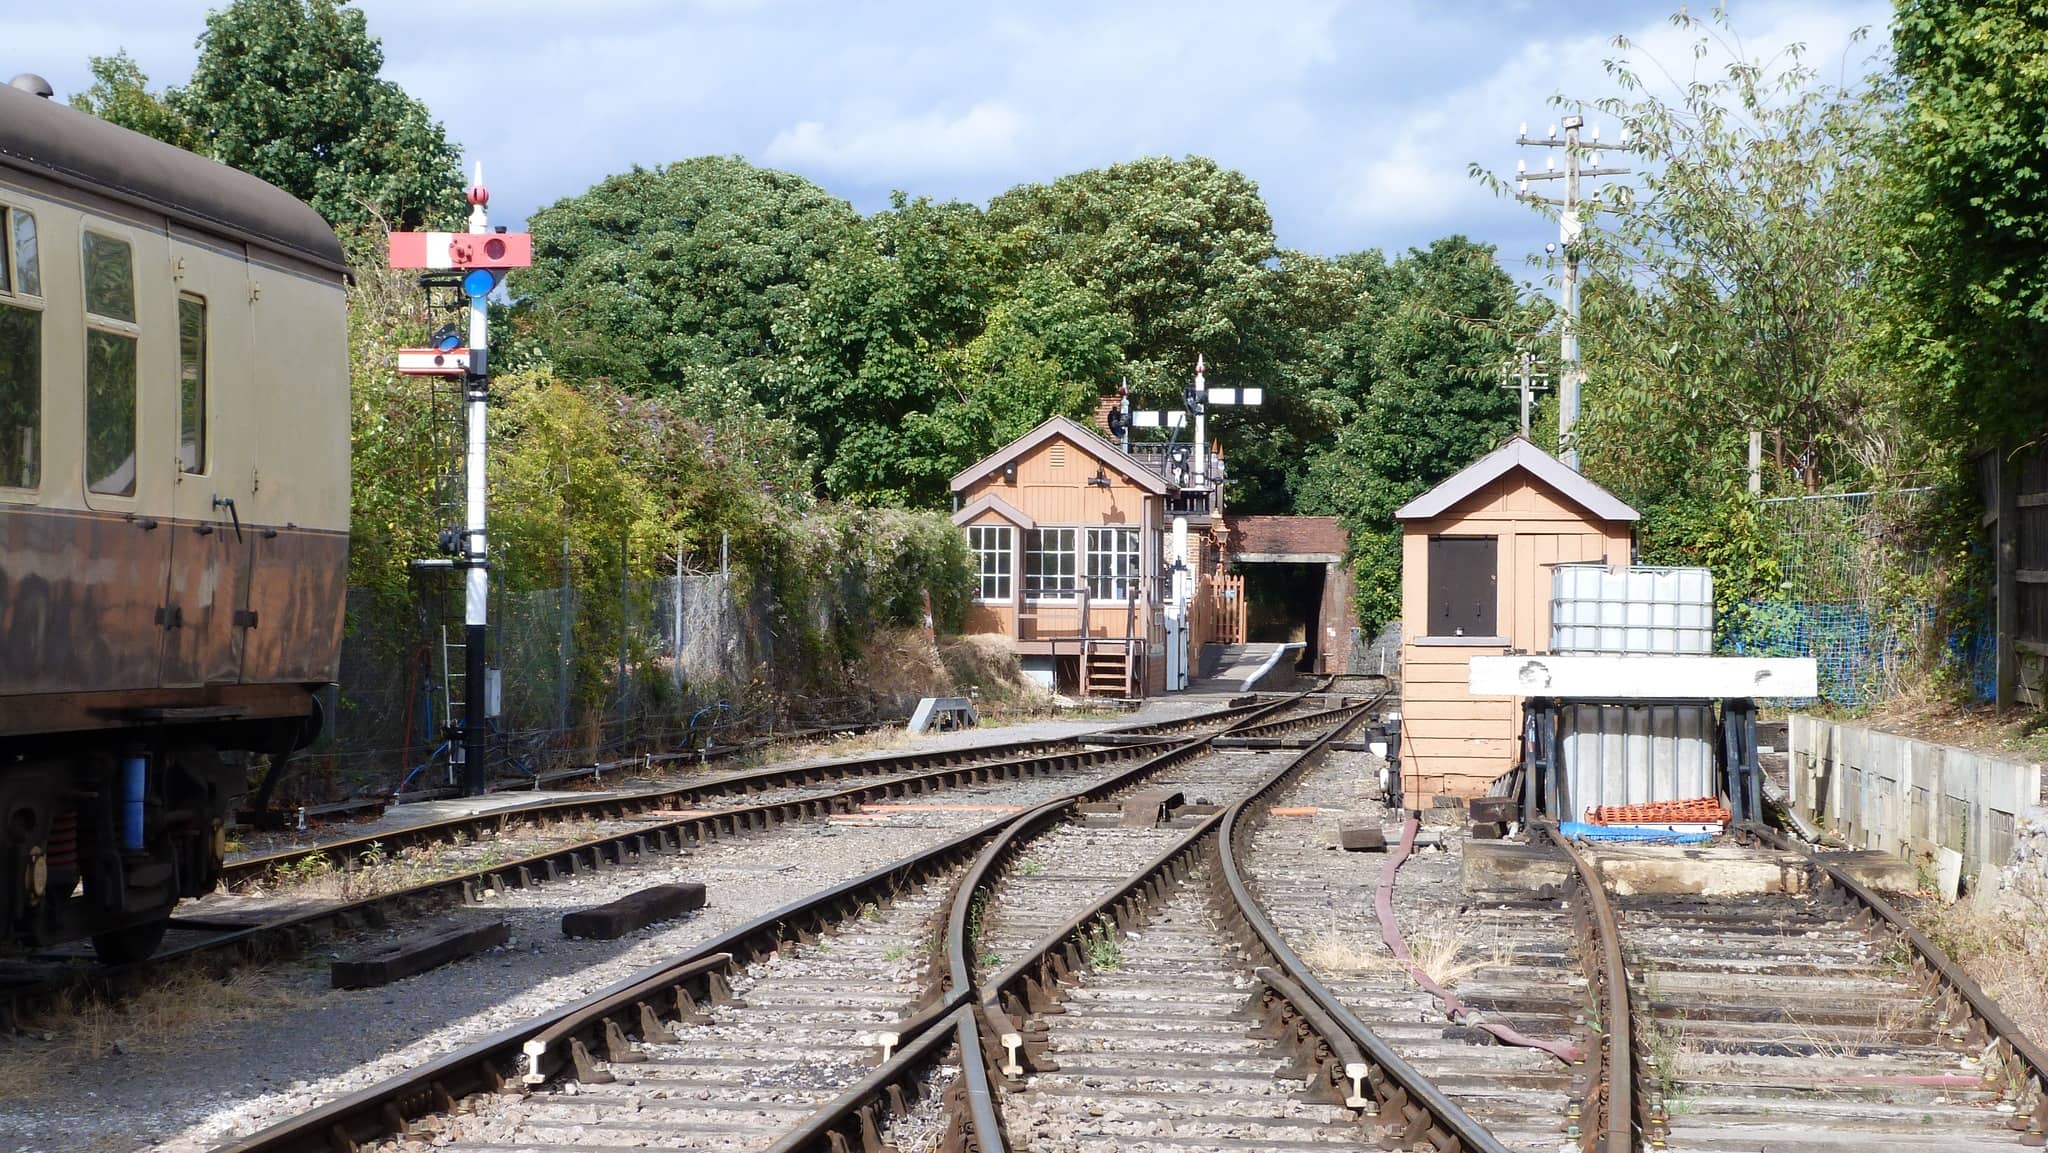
(1106, 670)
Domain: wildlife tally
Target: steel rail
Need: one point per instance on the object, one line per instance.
(1417, 1112)
(292, 933)
(604, 1021)
(1613, 1086)
(1031, 984)
(347, 852)
(972, 1120)
(2022, 1063)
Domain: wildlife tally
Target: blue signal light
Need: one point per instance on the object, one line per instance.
(479, 282)
(447, 338)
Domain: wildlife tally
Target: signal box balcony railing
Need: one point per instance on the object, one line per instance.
(1191, 503)
(1085, 617)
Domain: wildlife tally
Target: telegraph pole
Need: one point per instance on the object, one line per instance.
(1571, 374)
(1522, 376)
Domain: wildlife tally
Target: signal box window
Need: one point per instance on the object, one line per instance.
(1112, 563)
(1463, 600)
(1049, 565)
(191, 384)
(21, 353)
(110, 364)
(990, 544)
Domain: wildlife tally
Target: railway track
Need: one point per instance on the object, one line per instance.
(635, 827)
(1065, 980)
(882, 913)
(1813, 1019)
(1509, 958)
(775, 782)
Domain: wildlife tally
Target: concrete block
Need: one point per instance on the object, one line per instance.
(633, 911)
(1501, 809)
(1488, 830)
(1506, 867)
(415, 954)
(1361, 835)
(1880, 871)
(1703, 870)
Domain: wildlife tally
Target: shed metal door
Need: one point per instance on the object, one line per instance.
(1463, 578)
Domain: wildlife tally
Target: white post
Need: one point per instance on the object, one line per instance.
(476, 582)
(1201, 464)
(1756, 462)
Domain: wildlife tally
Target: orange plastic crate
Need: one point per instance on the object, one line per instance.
(1697, 811)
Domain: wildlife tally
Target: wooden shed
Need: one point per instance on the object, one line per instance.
(1476, 555)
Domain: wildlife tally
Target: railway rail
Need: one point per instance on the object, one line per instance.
(646, 824)
(1813, 1019)
(595, 1038)
(1513, 956)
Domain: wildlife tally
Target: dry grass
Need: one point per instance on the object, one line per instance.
(376, 872)
(2002, 949)
(160, 1017)
(1446, 953)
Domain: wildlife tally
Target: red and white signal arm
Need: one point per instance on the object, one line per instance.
(461, 250)
(433, 361)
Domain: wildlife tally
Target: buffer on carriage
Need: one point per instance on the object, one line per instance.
(1539, 663)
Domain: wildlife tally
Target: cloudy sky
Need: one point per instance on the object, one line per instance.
(1357, 119)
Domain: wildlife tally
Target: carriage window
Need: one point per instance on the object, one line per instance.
(21, 397)
(191, 384)
(109, 278)
(110, 413)
(28, 270)
(109, 366)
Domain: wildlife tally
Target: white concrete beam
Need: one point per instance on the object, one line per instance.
(1644, 678)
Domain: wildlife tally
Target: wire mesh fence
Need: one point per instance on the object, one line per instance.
(1840, 556)
(658, 664)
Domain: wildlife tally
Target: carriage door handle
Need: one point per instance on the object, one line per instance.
(228, 503)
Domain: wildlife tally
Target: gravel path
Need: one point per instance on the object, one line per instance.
(237, 1078)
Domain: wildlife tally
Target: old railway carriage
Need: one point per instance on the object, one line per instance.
(174, 477)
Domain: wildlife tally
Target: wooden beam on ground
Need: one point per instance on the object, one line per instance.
(633, 911)
(415, 955)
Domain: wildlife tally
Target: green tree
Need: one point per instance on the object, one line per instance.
(120, 95)
(1414, 381)
(675, 277)
(1047, 347)
(288, 90)
(1730, 281)
(1969, 214)
(870, 341)
(1179, 248)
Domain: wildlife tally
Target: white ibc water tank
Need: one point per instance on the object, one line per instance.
(1631, 611)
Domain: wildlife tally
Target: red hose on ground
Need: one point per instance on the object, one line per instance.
(1390, 932)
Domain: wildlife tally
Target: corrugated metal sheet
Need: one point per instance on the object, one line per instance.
(1630, 754)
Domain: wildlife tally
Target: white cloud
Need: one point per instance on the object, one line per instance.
(868, 144)
(1416, 176)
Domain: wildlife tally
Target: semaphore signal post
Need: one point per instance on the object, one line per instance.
(475, 261)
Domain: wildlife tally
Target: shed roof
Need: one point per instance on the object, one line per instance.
(1517, 453)
(1105, 453)
(41, 136)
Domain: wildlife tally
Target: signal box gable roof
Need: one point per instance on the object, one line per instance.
(1517, 453)
(1105, 453)
(48, 139)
